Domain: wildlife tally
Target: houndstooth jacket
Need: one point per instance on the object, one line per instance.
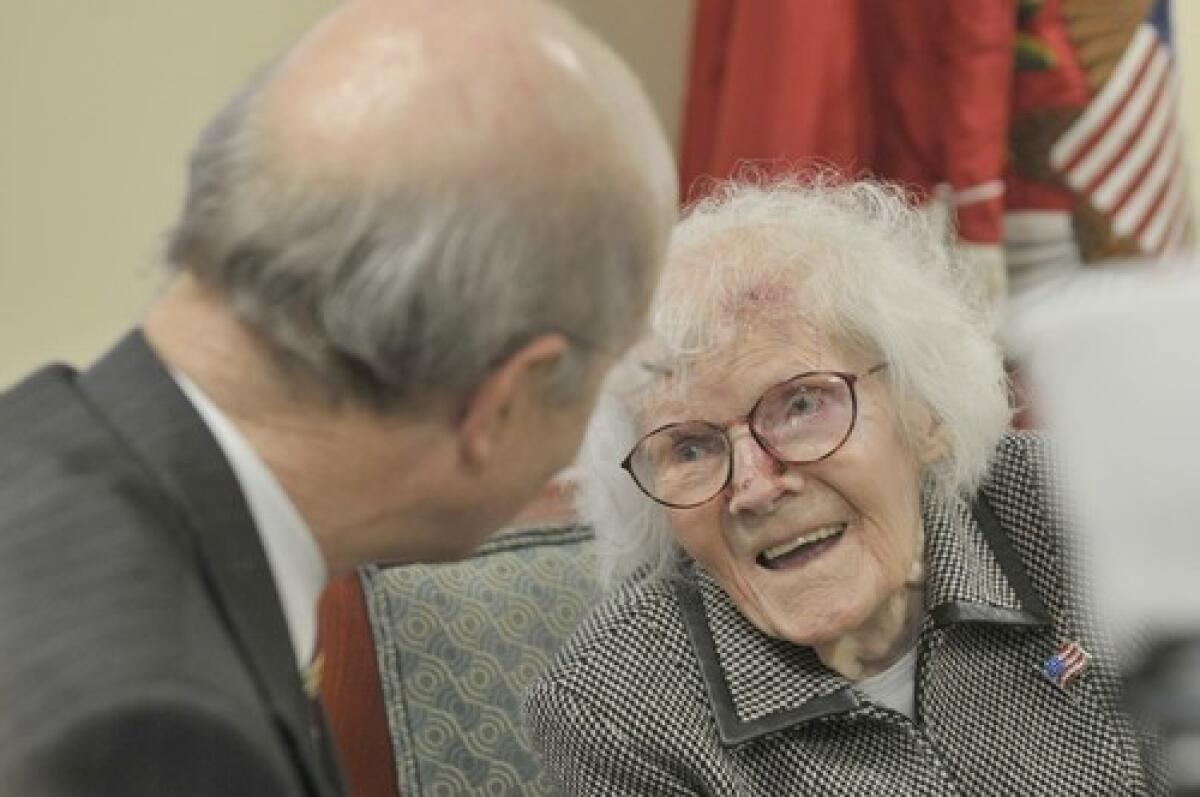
(668, 689)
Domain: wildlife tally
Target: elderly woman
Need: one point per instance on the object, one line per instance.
(838, 573)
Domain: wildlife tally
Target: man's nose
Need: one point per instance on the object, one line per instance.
(757, 482)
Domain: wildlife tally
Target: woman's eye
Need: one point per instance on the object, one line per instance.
(804, 403)
(691, 449)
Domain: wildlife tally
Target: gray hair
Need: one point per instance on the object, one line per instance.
(872, 271)
(379, 293)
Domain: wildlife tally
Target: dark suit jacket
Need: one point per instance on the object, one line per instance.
(143, 648)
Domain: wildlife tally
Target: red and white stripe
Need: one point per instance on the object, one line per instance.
(1074, 660)
(1125, 153)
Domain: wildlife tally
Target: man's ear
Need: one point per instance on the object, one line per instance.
(509, 385)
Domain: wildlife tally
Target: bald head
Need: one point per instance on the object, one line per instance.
(447, 90)
(419, 186)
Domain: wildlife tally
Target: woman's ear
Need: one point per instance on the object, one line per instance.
(930, 441)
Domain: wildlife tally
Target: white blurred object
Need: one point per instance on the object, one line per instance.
(1039, 249)
(1114, 362)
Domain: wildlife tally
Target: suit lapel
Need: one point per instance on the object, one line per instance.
(758, 685)
(973, 573)
(139, 399)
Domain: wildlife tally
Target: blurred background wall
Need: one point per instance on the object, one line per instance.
(99, 104)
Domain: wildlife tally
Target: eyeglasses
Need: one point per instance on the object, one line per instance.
(802, 420)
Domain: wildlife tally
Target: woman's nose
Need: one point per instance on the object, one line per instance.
(757, 481)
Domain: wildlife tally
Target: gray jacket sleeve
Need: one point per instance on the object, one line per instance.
(589, 755)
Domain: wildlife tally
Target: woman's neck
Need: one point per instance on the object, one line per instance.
(882, 640)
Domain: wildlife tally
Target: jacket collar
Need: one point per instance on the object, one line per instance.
(757, 684)
(136, 395)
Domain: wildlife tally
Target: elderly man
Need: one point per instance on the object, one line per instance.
(410, 250)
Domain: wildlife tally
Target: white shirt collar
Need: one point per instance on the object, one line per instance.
(895, 687)
(295, 560)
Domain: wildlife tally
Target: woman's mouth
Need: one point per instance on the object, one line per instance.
(802, 549)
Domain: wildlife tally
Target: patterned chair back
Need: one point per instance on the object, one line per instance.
(458, 643)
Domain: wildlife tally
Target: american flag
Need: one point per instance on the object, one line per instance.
(1067, 664)
(1124, 153)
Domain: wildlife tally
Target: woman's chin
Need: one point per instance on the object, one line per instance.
(812, 632)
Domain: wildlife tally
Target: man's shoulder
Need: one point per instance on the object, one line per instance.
(51, 441)
(100, 592)
(80, 515)
(40, 403)
(62, 467)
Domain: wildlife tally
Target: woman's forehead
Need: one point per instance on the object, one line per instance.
(728, 380)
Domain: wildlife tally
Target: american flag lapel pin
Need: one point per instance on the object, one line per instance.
(1069, 662)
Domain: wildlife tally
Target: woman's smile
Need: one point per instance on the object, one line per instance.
(801, 550)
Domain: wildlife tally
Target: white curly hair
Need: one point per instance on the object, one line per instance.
(875, 273)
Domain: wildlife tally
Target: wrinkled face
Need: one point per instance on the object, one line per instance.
(806, 552)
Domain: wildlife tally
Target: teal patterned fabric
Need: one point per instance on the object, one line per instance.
(457, 644)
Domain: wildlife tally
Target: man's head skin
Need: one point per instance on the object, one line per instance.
(410, 251)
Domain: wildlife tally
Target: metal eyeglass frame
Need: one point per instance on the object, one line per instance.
(748, 418)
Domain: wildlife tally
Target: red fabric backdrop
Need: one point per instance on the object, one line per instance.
(916, 92)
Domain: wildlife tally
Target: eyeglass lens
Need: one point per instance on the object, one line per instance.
(801, 420)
